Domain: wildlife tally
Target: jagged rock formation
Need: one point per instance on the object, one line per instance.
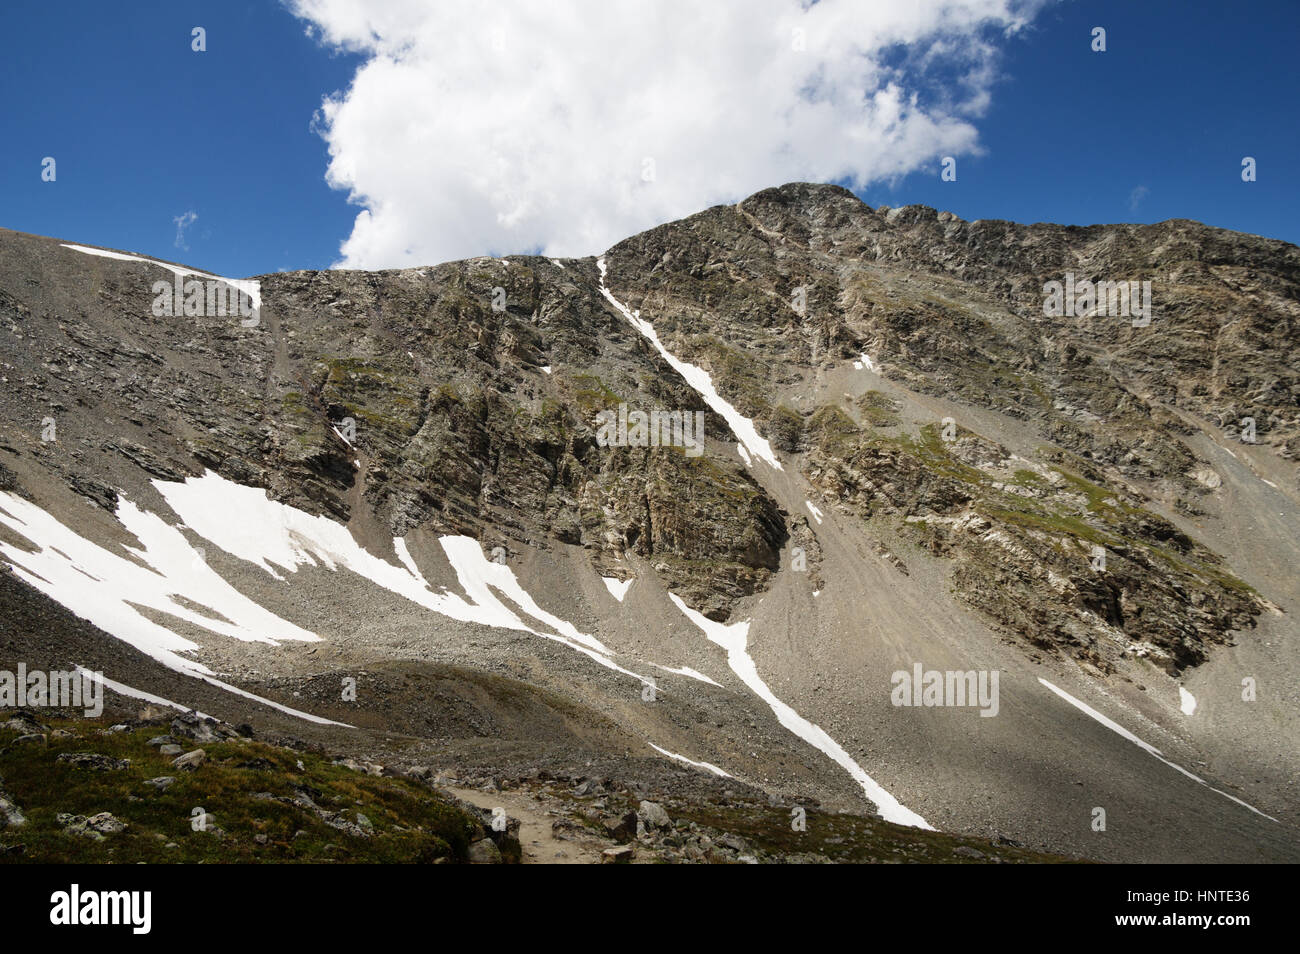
(794, 280)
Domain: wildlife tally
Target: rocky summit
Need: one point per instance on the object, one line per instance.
(793, 530)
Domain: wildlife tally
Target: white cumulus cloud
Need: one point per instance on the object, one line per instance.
(563, 126)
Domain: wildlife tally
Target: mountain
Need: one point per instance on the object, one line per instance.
(404, 515)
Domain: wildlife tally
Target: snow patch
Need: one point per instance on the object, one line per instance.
(107, 589)
(733, 639)
(681, 758)
(1186, 701)
(617, 588)
(687, 671)
(817, 514)
(270, 533)
(253, 289)
(697, 378)
(1149, 749)
(125, 690)
(170, 576)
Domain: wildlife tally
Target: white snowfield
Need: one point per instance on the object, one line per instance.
(733, 639)
(269, 532)
(105, 588)
(1186, 701)
(697, 378)
(168, 575)
(253, 289)
(1146, 747)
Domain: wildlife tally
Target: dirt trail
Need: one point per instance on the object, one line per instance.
(541, 844)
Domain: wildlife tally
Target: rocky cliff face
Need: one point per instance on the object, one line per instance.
(403, 393)
(774, 293)
(463, 398)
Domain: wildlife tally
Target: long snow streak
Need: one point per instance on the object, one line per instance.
(733, 639)
(1144, 746)
(124, 690)
(252, 289)
(697, 378)
(681, 758)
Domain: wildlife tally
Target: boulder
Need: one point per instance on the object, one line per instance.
(190, 760)
(94, 827)
(93, 761)
(193, 726)
(484, 852)
(652, 814)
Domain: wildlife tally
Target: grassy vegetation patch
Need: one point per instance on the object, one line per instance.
(262, 804)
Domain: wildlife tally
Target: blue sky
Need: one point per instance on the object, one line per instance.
(1184, 90)
(143, 129)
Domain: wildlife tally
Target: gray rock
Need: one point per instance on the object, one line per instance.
(94, 827)
(10, 816)
(622, 829)
(24, 722)
(93, 761)
(191, 726)
(653, 815)
(734, 842)
(190, 760)
(484, 852)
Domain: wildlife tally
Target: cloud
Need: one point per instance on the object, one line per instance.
(184, 221)
(1136, 196)
(565, 126)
